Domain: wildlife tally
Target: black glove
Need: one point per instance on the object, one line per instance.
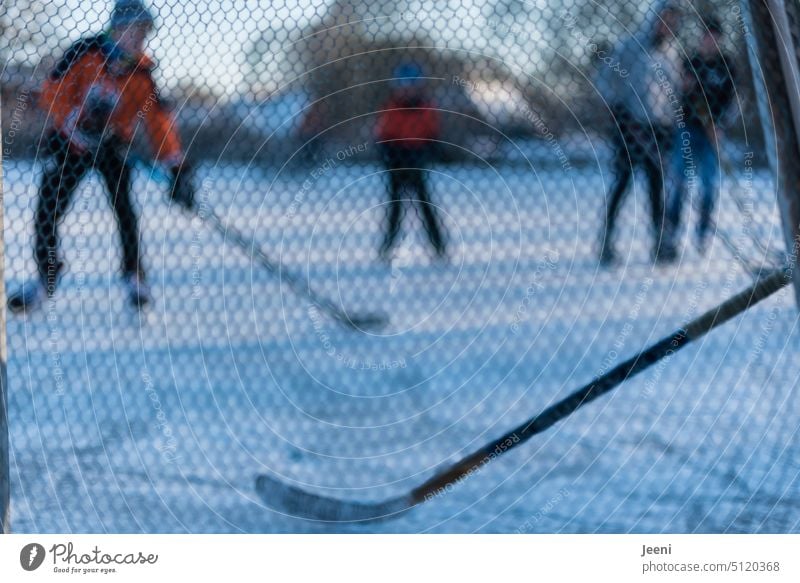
(182, 190)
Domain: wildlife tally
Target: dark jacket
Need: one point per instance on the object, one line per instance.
(710, 91)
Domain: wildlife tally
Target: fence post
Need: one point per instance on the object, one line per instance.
(774, 28)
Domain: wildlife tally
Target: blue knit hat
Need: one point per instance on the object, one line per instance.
(128, 12)
(407, 74)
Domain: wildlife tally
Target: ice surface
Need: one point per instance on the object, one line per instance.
(161, 422)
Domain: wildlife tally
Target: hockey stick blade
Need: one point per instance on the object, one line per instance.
(297, 502)
(365, 322)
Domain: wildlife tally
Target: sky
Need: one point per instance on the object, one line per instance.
(207, 41)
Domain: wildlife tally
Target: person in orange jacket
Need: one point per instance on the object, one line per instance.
(98, 96)
(406, 131)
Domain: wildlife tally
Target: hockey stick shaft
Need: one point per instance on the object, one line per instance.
(208, 215)
(764, 287)
(298, 285)
(250, 246)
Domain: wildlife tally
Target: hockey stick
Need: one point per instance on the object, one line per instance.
(770, 256)
(363, 322)
(298, 285)
(286, 498)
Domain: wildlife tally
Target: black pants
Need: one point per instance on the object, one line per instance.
(636, 145)
(59, 183)
(406, 170)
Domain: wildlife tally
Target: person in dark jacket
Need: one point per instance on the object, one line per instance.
(407, 127)
(708, 91)
(95, 99)
(639, 93)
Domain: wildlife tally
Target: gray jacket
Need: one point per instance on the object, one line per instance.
(644, 78)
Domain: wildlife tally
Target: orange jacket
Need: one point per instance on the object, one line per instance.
(91, 78)
(408, 123)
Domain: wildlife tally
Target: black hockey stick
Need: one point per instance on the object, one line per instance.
(363, 322)
(295, 501)
(300, 286)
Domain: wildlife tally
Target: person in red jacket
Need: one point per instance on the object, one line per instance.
(100, 93)
(406, 132)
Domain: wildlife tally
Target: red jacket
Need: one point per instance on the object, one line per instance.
(89, 73)
(408, 123)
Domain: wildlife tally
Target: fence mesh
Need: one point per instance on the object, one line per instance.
(530, 191)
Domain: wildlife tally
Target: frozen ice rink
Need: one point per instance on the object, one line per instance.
(161, 422)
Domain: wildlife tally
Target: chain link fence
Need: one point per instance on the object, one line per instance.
(346, 243)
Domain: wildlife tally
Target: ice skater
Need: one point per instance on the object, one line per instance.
(406, 130)
(708, 91)
(640, 91)
(95, 98)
